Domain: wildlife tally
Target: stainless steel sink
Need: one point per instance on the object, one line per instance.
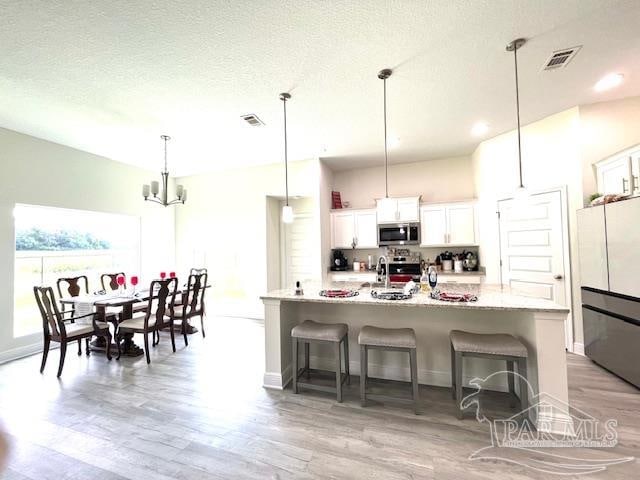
(390, 294)
(376, 285)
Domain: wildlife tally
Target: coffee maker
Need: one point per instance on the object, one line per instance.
(339, 263)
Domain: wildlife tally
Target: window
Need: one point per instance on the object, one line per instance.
(56, 242)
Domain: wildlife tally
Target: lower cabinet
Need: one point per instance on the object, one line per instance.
(459, 278)
(353, 277)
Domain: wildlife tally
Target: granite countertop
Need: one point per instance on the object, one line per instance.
(490, 297)
(479, 273)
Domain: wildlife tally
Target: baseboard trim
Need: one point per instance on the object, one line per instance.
(578, 348)
(25, 351)
(277, 381)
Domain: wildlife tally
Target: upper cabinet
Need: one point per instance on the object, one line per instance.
(354, 229)
(620, 174)
(394, 210)
(453, 224)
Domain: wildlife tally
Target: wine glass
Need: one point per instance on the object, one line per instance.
(134, 282)
(163, 275)
(120, 280)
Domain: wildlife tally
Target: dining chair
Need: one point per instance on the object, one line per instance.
(168, 320)
(160, 305)
(73, 287)
(192, 302)
(192, 271)
(57, 328)
(109, 282)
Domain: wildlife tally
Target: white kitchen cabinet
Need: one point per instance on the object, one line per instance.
(433, 225)
(394, 210)
(409, 209)
(353, 277)
(387, 210)
(354, 229)
(623, 238)
(592, 248)
(461, 224)
(453, 224)
(366, 229)
(620, 174)
(342, 229)
(459, 278)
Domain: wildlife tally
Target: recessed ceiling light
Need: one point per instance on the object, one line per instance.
(609, 81)
(479, 129)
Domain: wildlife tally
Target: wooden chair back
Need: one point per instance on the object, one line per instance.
(52, 323)
(73, 286)
(164, 302)
(109, 281)
(194, 300)
(197, 271)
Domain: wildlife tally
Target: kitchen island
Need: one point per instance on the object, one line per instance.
(538, 323)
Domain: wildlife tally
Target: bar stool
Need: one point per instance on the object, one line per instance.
(499, 346)
(395, 339)
(314, 332)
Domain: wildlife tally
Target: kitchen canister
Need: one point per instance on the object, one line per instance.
(457, 266)
(447, 265)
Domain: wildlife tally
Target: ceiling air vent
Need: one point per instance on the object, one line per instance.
(560, 58)
(252, 119)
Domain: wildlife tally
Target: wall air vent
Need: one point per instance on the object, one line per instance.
(252, 119)
(560, 58)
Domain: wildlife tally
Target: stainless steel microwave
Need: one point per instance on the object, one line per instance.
(398, 234)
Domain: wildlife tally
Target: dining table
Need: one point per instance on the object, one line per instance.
(125, 300)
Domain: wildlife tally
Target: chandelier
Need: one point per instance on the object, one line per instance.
(154, 188)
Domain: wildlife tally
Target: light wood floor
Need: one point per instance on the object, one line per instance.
(201, 413)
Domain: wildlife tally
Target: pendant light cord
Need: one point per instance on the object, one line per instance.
(165, 138)
(515, 60)
(286, 168)
(386, 157)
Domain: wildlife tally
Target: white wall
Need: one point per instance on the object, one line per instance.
(550, 159)
(224, 227)
(39, 172)
(443, 180)
(606, 128)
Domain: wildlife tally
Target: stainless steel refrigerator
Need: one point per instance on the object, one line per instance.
(609, 246)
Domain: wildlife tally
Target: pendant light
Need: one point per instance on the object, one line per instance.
(153, 189)
(383, 75)
(287, 211)
(520, 192)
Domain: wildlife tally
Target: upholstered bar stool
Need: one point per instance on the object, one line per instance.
(499, 346)
(395, 339)
(309, 332)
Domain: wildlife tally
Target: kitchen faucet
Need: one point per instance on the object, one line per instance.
(386, 269)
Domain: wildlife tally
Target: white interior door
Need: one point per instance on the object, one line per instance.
(298, 250)
(532, 246)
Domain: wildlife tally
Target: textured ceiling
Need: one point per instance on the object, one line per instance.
(109, 76)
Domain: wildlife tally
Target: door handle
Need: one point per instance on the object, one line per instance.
(557, 277)
(624, 185)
